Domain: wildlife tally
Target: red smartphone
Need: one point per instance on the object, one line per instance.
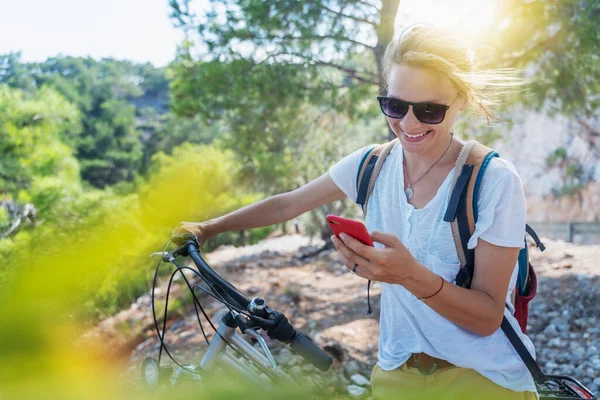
(356, 229)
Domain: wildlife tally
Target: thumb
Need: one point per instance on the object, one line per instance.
(386, 239)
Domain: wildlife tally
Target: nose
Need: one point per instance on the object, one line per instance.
(409, 123)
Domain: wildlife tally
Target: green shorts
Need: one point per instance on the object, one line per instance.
(405, 383)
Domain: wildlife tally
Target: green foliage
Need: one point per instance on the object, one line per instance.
(558, 41)
(107, 94)
(34, 161)
(195, 183)
(164, 132)
(558, 156)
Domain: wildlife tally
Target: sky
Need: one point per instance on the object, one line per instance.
(138, 30)
(141, 31)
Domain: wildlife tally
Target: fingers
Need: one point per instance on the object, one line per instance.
(358, 247)
(349, 258)
(386, 239)
(183, 227)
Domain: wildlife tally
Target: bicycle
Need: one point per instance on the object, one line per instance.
(243, 313)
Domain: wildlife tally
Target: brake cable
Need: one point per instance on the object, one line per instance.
(222, 300)
(161, 337)
(196, 305)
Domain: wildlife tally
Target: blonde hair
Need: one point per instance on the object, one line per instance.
(441, 51)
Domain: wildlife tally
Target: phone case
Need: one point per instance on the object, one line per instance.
(356, 229)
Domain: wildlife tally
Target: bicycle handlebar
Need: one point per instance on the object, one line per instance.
(297, 341)
(225, 287)
(310, 351)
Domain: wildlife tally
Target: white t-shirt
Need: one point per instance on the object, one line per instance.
(408, 325)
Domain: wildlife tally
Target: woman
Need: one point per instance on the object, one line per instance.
(437, 340)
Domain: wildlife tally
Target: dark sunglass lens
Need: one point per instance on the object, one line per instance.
(393, 108)
(430, 113)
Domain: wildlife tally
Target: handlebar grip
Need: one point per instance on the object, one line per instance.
(311, 352)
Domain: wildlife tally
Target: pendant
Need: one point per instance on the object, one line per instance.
(409, 192)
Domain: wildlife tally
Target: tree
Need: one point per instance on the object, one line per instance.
(37, 169)
(261, 61)
(106, 93)
(557, 42)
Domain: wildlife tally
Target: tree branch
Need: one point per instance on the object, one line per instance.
(353, 73)
(548, 44)
(590, 129)
(365, 3)
(312, 37)
(341, 14)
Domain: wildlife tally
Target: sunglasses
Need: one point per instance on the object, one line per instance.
(428, 113)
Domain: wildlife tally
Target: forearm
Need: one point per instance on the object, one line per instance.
(269, 211)
(472, 309)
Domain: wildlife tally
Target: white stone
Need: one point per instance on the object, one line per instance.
(360, 380)
(356, 391)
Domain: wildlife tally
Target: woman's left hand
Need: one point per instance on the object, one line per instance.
(391, 264)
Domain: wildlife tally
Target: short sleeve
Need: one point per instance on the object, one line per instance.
(501, 206)
(345, 171)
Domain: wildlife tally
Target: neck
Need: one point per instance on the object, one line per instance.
(421, 162)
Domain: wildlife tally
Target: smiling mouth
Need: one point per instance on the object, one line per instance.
(417, 136)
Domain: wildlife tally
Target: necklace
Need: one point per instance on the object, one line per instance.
(409, 191)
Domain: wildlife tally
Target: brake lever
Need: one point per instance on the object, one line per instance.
(166, 257)
(267, 323)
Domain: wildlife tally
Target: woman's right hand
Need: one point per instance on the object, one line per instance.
(196, 228)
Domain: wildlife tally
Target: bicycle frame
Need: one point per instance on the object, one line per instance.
(215, 355)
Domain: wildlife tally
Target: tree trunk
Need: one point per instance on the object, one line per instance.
(385, 34)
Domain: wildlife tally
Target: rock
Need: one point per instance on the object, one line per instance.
(296, 370)
(331, 379)
(335, 350)
(360, 380)
(555, 342)
(551, 365)
(578, 353)
(356, 391)
(252, 290)
(284, 356)
(307, 368)
(551, 330)
(351, 368)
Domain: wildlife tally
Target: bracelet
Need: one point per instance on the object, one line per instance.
(428, 297)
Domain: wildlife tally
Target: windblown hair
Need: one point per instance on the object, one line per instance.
(440, 51)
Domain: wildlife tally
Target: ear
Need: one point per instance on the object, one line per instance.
(464, 103)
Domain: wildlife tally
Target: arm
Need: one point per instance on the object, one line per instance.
(273, 210)
(479, 309)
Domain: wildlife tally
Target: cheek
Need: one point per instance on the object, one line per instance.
(446, 124)
(393, 123)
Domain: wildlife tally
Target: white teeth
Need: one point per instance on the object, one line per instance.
(416, 136)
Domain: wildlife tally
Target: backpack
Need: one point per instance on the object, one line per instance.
(462, 214)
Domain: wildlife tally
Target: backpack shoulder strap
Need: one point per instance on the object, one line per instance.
(368, 171)
(462, 206)
(462, 213)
